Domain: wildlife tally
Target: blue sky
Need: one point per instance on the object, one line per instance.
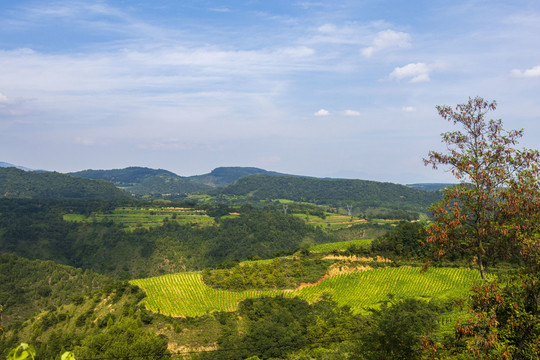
(319, 88)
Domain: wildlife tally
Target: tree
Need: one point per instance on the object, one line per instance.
(397, 330)
(493, 213)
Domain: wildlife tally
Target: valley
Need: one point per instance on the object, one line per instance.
(192, 275)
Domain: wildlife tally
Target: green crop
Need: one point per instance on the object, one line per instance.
(185, 294)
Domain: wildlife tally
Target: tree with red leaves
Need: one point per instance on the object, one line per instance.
(493, 212)
(492, 215)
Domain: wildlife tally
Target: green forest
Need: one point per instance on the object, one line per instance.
(279, 267)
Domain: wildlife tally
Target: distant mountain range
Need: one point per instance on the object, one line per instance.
(5, 165)
(249, 183)
(142, 180)
(431, 186)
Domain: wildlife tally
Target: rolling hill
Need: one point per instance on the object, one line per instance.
(16, 183)
(142, 180)
(430, 186)
(361, 193)
(223, 176)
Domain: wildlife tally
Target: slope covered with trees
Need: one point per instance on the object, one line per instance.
(37, 230)
(223, 176)
(141, 180)
(16, 183)
(361, 193)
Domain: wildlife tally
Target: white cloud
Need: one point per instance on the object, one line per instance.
(3, 99)
(322, 112)
(408, 108)
(532, 72)
(299, 51)
(220, 9)
(350, 34)
(387, 39)
(84, 141)
(418, 72)
(351, 113)
(15, 106)
(327, 28)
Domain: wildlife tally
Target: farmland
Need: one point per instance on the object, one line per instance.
(146, 217)
(342, 245)
(330, 221)
(185, 294)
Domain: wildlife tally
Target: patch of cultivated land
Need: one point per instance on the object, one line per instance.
(330, 221)
(134, 217)
(185, 294)
(341, 245)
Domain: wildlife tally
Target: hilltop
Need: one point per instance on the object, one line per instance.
(16, 183)
(223, 176)
(142, 180)
(336, 192)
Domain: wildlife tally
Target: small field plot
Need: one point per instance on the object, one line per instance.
(135, 217)
(341, 245)
(185, 294)
(330, 221)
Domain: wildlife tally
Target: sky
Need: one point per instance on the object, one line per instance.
(343, 89)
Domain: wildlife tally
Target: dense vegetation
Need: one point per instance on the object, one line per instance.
(277, 274)
(430, 186)
(37, 230)
(81, 311)
(15, 183)
(28, 286)
(223, 176)
(361, 193)
(141, 180)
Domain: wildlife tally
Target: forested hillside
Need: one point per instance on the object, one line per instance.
(37, 230)
(56, 307)
(15, 183)
(28, 286)
(430, 186)
(141, 180)
(223, 176)
(361, 193)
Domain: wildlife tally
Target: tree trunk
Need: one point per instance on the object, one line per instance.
(482, 269)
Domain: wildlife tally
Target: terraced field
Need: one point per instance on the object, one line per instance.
(185, 294)
(331, 221)
(134, 217)
(341, 245)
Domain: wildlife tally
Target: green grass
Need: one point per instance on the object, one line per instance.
(185, 294)
(341, 245)
(135, 217)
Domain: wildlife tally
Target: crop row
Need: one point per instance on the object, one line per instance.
(185, 294)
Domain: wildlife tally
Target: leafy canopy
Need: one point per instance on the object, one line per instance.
(493, 212)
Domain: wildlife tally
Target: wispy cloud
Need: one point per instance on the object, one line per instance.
(220, 9)
(351, 113)
(344, 34)
(387, 39)
(532, 72)
(418, 72)
(15, 107)
(185, 80)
